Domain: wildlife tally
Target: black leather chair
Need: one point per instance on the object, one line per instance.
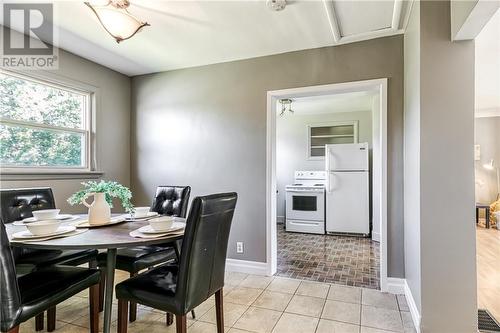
(25, 297)
(18, 204)
(168, 200)
(179, 288)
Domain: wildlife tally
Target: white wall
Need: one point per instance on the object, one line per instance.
(291, 145)
(487, 136)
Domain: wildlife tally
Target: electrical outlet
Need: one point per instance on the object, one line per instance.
(239, 247)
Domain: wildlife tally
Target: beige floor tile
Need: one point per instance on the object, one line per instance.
(293, 323)
(236, 330)
(227, 289)
(330, 326)
(256, 281)
(258, 320)
(379, 299)
(203, 308)
(403, 304)
(407, 321)
(273, 300)
(344, 294)
(313, 289)
(241, 295)
(203, 327)
(232, 312)
(234, 278)
(159, 326)
(381, 318)
(284, 285)
(365, 329)
(72, 329)
(342, 311)
(306, 305)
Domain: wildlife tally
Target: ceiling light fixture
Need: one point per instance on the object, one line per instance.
(286, 105)
(276, 5)
(115, 18)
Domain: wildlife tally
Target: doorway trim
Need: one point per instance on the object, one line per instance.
(379, 153)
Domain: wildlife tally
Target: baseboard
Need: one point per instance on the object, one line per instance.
(245, 266)
(375, 236)
(415, 314)
(280, 219)
(396, 285)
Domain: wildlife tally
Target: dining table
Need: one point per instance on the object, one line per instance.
(105, 237)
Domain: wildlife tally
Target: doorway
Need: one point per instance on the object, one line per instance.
(378, 171)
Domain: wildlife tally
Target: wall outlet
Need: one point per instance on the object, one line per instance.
(239, 247)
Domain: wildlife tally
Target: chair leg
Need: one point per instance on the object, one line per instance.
(51, 319)
(170, 318)
(193, 314)
(133, 306)
(94, 308)
(39, 322)
(122, 316)
(14, 330)
(102, 286)
(180, 324)
(219, 311)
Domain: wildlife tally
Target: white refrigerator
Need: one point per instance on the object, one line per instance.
(347, 188)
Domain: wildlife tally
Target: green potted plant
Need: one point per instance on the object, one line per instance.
(103, 193)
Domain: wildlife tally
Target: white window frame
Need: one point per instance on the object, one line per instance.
(353, 123)
(62, 83)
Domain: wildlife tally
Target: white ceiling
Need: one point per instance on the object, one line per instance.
(193, 33)
(347, 102)
(487, 71)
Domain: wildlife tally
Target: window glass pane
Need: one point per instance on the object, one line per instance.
(23, 146)
(35, 102)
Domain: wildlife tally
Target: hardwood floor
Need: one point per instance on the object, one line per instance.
(488, 270)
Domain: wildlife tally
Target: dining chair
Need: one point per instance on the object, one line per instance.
(168, 200)
(24, 297)
(178, 288)
(18, 204)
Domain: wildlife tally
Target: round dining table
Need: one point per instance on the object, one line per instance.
(107, 237)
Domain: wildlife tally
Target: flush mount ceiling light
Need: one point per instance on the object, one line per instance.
(115, 18)
(276, 5)
(286, 105)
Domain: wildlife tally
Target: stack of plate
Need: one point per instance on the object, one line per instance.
(148, 232)
(62, 231)
(60, 217)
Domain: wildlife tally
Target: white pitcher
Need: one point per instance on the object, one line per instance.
(99, 210)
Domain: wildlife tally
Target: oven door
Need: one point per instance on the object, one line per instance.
(305, 205)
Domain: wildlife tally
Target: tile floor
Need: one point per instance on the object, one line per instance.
(262, 304)
(351, 261)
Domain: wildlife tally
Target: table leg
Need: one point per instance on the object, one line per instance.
(487, 216)
(108, 296)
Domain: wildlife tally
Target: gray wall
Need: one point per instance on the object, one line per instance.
(412, 153)
(112, 131)
(291, 145)
(487, 136)
(206, 127)
(443, 104)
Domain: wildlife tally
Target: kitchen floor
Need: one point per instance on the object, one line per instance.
(262, 304)
(488, 269)
(350, 261)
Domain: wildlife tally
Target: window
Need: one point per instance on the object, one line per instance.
(319, 135)
(43, 125)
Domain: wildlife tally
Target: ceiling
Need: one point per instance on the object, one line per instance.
(193, 33)
(346, 102)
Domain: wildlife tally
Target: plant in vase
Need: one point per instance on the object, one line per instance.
(103, 192)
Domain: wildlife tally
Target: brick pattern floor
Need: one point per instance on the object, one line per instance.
(351, 261)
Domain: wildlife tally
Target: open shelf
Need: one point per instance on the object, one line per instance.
(323, 134)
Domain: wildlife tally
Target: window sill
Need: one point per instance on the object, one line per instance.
(48, 175)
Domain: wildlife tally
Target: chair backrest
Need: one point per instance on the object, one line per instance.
(171, 200)
(204, 249)
(17, 204)
(10, 296)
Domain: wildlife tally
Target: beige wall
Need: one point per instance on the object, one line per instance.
(440, 267)
(291, 145)
(206, 127)
(112, 126)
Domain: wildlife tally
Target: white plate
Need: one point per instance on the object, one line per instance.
(114, 220)
(67, 234)
(137, 234)
(58, 217)
(29, 220)
(174, 227)
(132, 217)
(28, 235)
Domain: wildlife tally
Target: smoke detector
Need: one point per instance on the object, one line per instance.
(276, 5)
